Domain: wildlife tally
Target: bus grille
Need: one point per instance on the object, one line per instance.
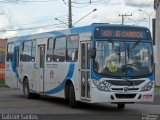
(125, 83)
(121, 89)
(125, 96)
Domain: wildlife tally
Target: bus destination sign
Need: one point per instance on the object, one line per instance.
(122, 34)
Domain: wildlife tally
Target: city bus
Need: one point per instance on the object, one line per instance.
(92, 64)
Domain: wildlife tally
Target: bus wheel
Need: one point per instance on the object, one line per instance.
(72, 98)
(26, 92)
(121, 106)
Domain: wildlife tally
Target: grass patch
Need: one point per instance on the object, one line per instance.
(157, 89)
(2, 83)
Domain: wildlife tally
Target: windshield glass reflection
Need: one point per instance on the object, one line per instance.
(123, 58)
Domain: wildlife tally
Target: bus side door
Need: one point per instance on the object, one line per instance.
(41, 66)
(85, 70)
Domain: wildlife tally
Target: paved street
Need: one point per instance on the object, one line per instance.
(12, 101)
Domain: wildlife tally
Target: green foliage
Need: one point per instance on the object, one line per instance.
(157, 89)
(2, 83)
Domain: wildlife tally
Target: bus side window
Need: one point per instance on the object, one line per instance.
(33, 50)
(26, 53)
(72, 48)
(10, 49)
(50, 50)
(59, 49)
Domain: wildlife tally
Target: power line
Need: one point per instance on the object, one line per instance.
(77, 4)
(36, 22)
(31, 28)
(91, 2)
(17, 1)
(85, 16)
(70, 2)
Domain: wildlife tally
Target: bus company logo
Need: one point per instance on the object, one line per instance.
(51, 74)
(125, 89)
(150, 117)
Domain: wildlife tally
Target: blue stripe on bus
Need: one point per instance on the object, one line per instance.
(151, 77)
(14, 63)
(56, 33)
(62, 85)
(94, 76)
(82, 29)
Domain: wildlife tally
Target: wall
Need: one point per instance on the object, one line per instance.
(157, 43)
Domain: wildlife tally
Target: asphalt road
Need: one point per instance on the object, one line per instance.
(13, 102)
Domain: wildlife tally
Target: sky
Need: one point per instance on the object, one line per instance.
(22, 17)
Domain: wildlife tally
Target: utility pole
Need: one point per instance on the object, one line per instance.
(124, 15)
(70, 14)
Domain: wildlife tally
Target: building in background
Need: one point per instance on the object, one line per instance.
(3, 43)
(157, 42)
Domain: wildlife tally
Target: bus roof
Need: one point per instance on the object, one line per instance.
(73, 30)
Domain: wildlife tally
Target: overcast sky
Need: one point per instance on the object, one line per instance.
(32, 16)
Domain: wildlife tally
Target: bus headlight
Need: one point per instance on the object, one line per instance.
(102, 85)
(148, 86)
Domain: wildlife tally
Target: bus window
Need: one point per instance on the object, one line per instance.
(72, 48)
(33, 50)
(10, 50)
(59, 49)
(83, 55)
(26, 57)
(50, 50)
(88, 55)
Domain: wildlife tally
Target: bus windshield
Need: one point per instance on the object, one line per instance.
(123, 58)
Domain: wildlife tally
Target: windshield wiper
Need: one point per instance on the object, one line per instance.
(134, 46)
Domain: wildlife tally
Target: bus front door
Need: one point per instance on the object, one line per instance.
(85, 70)
(41, 66)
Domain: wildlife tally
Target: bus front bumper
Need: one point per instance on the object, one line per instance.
(118, 97)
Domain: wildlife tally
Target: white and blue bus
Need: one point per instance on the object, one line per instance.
(92, 64)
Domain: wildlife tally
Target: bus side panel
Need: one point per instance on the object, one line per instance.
(27, 70)
(55, 78)
(77, 81)
(10, 76)
(56, 75)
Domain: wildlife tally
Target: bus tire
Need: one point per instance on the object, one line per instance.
(26, 91)
(66, 93)
(121, 106)
(72, 98)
